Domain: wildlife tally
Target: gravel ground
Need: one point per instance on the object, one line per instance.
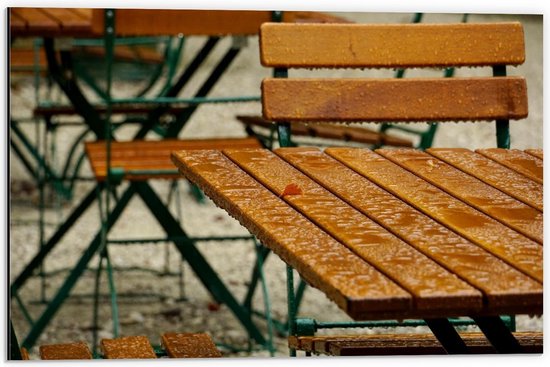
(181, 303)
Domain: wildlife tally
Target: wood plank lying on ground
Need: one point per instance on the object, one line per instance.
(493, 202)
(391, 45)
(432, 286)
(507, 244)
(352, 284)
(384, 100)
(78, 350)
(516, 160)
(189, 345)
(492, 173)
(129, 347)
(499, 282)
(152, 155)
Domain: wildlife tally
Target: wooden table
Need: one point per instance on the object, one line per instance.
(393, 234)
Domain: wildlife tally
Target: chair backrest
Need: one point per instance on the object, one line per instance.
(499, 98)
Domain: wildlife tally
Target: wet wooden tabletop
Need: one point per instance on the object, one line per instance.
(394, 233)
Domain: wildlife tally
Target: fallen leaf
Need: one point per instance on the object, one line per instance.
(291, 189)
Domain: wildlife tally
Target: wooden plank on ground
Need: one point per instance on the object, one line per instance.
(432, 286)
(493, 202)
(516, 160)
(499, 282)
(388, 100)
(352, 284)
(512, 247)
(494, 174)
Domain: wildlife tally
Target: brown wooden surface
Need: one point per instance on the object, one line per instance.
(385, 100)
(152, 155)
(403, 344)
(431, 286)
(517, 160)
(494, 174)
(535, 152)
(503, 265)
(51, 22)
(78, 350)
(391, 45)
(189, 345)
(491, 201)
(332, 131)
(134, 22)
(129, 347)
(23, 60)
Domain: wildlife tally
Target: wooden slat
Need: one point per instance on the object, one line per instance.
(17, 24)
(69, 20)
(23, 60)
(432, 286)
(129, 347)
(379, 100)
(42, 22)
(332, 131)
(507, 244)
(36, 21)
(499, 282)
(391, 45)
(78, 350)
(487, 170)
(352, 284)
(507, 210)
(189, 345)
(535, 152)
(152, 155)
(516, 160)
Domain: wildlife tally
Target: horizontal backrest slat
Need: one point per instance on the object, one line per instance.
(391, 45)
(378, 100)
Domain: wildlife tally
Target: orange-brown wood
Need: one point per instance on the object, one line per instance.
(151, 155)
(23, 60)
(432, 286)
(535, 152)
(129, 347)
(512, 247)
(50, 22)
(68, 18)
(77, 350)
(516, 160)
(492, 173)
(351, 283)
(189, 345)
(25, 354)
(199, 22)
(332, 131)
(391, 45)
(493, 202)
(499, 282)
(379, 100)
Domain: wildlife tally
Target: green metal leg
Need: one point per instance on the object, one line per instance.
(291, 306)
(196, 261)
(15, 351)
(75, 274)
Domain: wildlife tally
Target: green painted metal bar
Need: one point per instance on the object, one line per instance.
(195, 259)
(19, 153)
(54, 239)
(24, 310)
(75, 274)
(71, 89)
(267, 302)
(172, 56)
(14, 349)
(291, 305)
(113, 293)
(189, 101)
(95, 309)
(263, 253)
(502, 126)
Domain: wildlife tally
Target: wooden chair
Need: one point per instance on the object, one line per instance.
(289, 101)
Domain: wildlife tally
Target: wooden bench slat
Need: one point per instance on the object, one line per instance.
(68, 19)
(432, 286)
(17, 24)
(355, 287)
(498, 281)
(152, 155)
(129, 347)
(189, 345)
(404, 344)
(516, 160)
(386, 100)
(535, 152)
(42, 22)
(78, 350)
(391, 45)
(332, 131)
(493, 202)
(23, 60)
(36, 20)
(524, 254)
(492, 173)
